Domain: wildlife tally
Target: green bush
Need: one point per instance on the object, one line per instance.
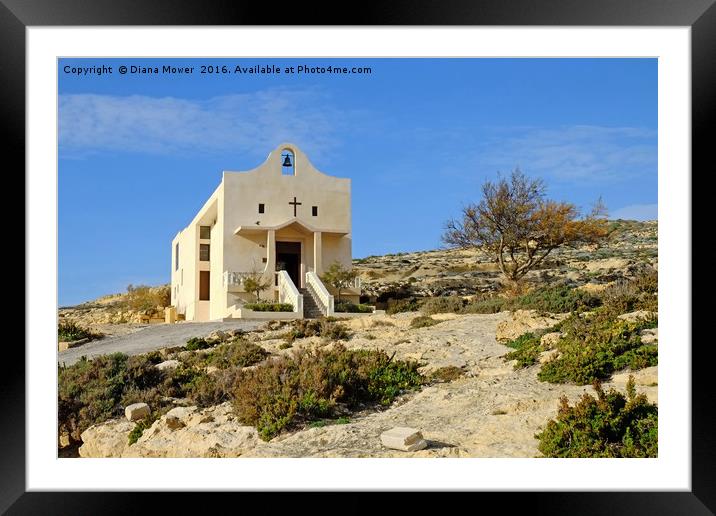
(312, 385)
(195, 343)
(395, 306)
(594, 346)
(488, 305)
(70, 330)
(423, 321)
(556, 299)
(610, 425)
(93, 391)
(442, 305)
(347, 306)
(90, 392)
(447, 374)
(326, 327)
(526, 350)
(269, 307)
(139, 429)
(240, 353)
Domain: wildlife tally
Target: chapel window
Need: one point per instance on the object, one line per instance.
(204, 252)
(288, 163)
(205, 232)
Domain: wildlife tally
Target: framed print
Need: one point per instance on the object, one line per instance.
(417, 253)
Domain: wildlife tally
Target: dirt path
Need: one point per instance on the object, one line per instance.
(150, 338)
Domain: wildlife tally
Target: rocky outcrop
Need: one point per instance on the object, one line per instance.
(524, 321)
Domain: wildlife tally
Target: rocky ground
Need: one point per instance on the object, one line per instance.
(630, 247)
(492, 411)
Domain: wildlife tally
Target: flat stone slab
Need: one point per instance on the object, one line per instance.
(403, 438)
(137, 411)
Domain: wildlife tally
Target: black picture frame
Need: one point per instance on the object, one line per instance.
(699, 15)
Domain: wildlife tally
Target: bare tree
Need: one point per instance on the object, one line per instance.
(520, 227)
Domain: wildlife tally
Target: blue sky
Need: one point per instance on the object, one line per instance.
(139, 154)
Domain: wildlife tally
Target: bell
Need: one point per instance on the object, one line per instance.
(287, 160)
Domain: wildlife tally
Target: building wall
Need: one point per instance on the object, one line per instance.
(234, 204)
(243, 191)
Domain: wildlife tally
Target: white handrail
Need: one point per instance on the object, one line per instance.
(288, 293)
(324, 297)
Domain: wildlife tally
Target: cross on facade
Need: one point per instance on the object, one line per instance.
(294, 203)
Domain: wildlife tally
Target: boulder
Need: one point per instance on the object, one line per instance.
(168, 365)
(525, 321)
(639, 315)
(650, 336)
(403, 438)
(108, 439)
(137, 411)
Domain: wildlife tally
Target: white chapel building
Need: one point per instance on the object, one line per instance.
(284, 220)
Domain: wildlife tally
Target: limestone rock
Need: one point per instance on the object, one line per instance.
(549, 340)
(137, 411)
(168, 365)
(403, 438)
(108, 439)
(549, 355)
(650, 336)
(524, 321)
(639, 315)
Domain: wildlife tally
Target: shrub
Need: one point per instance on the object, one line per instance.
(382, 323)
(638, 293)
(489, 305)
(447, 374)
(143, 297)
(556, 299)
(327, 328)
(195, 343)
(269, 307)
(312, 384)
(240, 353)
(423, 321)
(610, 425)
(594, 346)
(90, 392)
(70, 330)
(527, 349)
(347, 306)
(443, 304)
(396, 306)
(139, 429)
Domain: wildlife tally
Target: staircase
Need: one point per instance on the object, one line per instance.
(311, 309)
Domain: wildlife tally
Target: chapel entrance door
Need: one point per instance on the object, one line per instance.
(288, 258)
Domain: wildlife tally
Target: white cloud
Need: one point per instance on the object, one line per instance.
(582, 154)
(243, 123)
(636, 212)
(577, 153)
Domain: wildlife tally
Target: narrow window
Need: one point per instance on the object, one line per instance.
(204, 252)
(263, 259)
(314, 210)
(205, 232)
(261, 207)
(203, 285)
(176, 257)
